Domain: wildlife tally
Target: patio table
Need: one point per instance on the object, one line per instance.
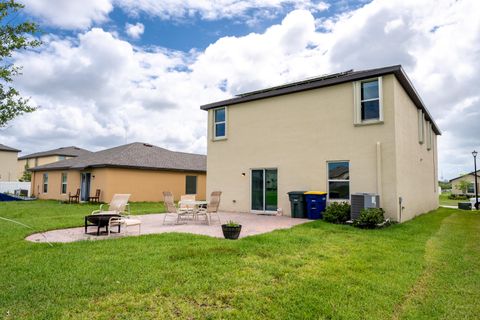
(100, 221)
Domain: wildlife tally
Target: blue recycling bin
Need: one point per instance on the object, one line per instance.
(316, 204)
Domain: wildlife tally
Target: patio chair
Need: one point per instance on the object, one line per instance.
(212, 207)
(96, 197)
(75, 197)
(171, 210)
(119, 205)
(185, 207)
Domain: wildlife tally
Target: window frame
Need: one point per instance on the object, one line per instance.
(224, 122)
(186, 184)
(63, 183)
(45, 182)
(357, 85)
(337, 180)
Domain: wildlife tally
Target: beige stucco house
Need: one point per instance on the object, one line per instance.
(46, 157)
(356, 131)
(470, 178)
(140, 169)
(8, 163)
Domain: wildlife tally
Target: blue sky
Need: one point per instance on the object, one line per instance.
(116, 71)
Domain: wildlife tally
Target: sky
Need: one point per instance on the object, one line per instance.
(117, 71)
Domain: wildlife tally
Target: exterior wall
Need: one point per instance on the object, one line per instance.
(8, 165)
(32, 163)
(297, 134)
(470, 178)
(143, 185)
(416, 166)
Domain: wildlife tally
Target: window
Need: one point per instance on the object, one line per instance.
(61, 158)
(471, 188)
(64, 183)
(45, 182)
(36, 162)
(191, 185)
(368, 97)
(338, 180)
(421, 127)
(220, 123)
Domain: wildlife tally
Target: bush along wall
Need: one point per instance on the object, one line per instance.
(337, 212)
(370, 218)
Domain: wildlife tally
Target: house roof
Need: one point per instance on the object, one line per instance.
(329, 80)
(7, 148)
(71, 151)
(135, 155)
(467, 174)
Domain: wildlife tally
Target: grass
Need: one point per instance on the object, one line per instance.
(445, 201)
(428, 268)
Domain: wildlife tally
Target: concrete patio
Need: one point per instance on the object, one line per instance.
(252, 224)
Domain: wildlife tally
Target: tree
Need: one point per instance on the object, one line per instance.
(445, 185)
(463, 186)
(27, 175)
(13, 37)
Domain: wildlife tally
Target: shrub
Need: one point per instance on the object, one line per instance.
(369, 218)
(337, 212)
(458, 197)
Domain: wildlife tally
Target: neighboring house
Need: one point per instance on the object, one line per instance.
(470, 178)
(141, 169)
(356, 131)
(8, 163)
(46, 157)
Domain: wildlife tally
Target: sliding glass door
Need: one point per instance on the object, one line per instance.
(264, 190)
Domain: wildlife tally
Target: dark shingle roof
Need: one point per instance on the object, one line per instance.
(63, 151)
(134, 155)
(467, 174)
(7, 148)
(329, 80)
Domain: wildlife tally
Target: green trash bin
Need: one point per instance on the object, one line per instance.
(297, 204)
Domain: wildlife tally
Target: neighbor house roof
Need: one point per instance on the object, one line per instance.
(467, 174)
(134, 155)
(329, 80)
(63, 151)
(7, 148)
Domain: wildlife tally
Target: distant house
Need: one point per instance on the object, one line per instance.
(470, 178)
(364, 131)
(46, 157)
(8, 163)
(141, 169)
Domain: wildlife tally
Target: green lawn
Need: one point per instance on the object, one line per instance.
(444, 201)
(428, 268)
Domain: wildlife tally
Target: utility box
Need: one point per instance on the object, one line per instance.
(359, 201)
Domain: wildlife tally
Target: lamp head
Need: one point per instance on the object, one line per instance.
(474, 153)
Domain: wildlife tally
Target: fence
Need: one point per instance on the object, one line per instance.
(10, 187)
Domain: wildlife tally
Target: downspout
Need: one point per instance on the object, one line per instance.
(379, 170)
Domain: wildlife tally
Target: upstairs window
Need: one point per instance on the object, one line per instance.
(220, 123)
(45, 182)
(368, 101)
(60, 158)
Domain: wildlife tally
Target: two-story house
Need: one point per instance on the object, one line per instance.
(8, 163)
(46, 157)
(355, 131)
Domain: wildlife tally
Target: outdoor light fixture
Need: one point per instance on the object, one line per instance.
(474, 154)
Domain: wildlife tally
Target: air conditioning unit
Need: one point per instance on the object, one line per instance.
(361, 201)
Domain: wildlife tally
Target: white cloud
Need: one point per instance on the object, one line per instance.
(92, 87)
(71, 14)
(134, 30)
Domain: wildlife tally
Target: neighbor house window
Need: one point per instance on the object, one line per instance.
(339, 180)
(64, 183)
(45, 182)
(421, 127)
(36, 162)
(368, 105)
(471, 188)
(191, 185)
(220, 123)
(61, 158)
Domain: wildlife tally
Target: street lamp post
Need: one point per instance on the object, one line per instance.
(474, 153)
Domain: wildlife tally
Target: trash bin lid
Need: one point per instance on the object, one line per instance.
(315, 192)
(296, 192)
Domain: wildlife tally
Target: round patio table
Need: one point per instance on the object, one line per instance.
(100, 221)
